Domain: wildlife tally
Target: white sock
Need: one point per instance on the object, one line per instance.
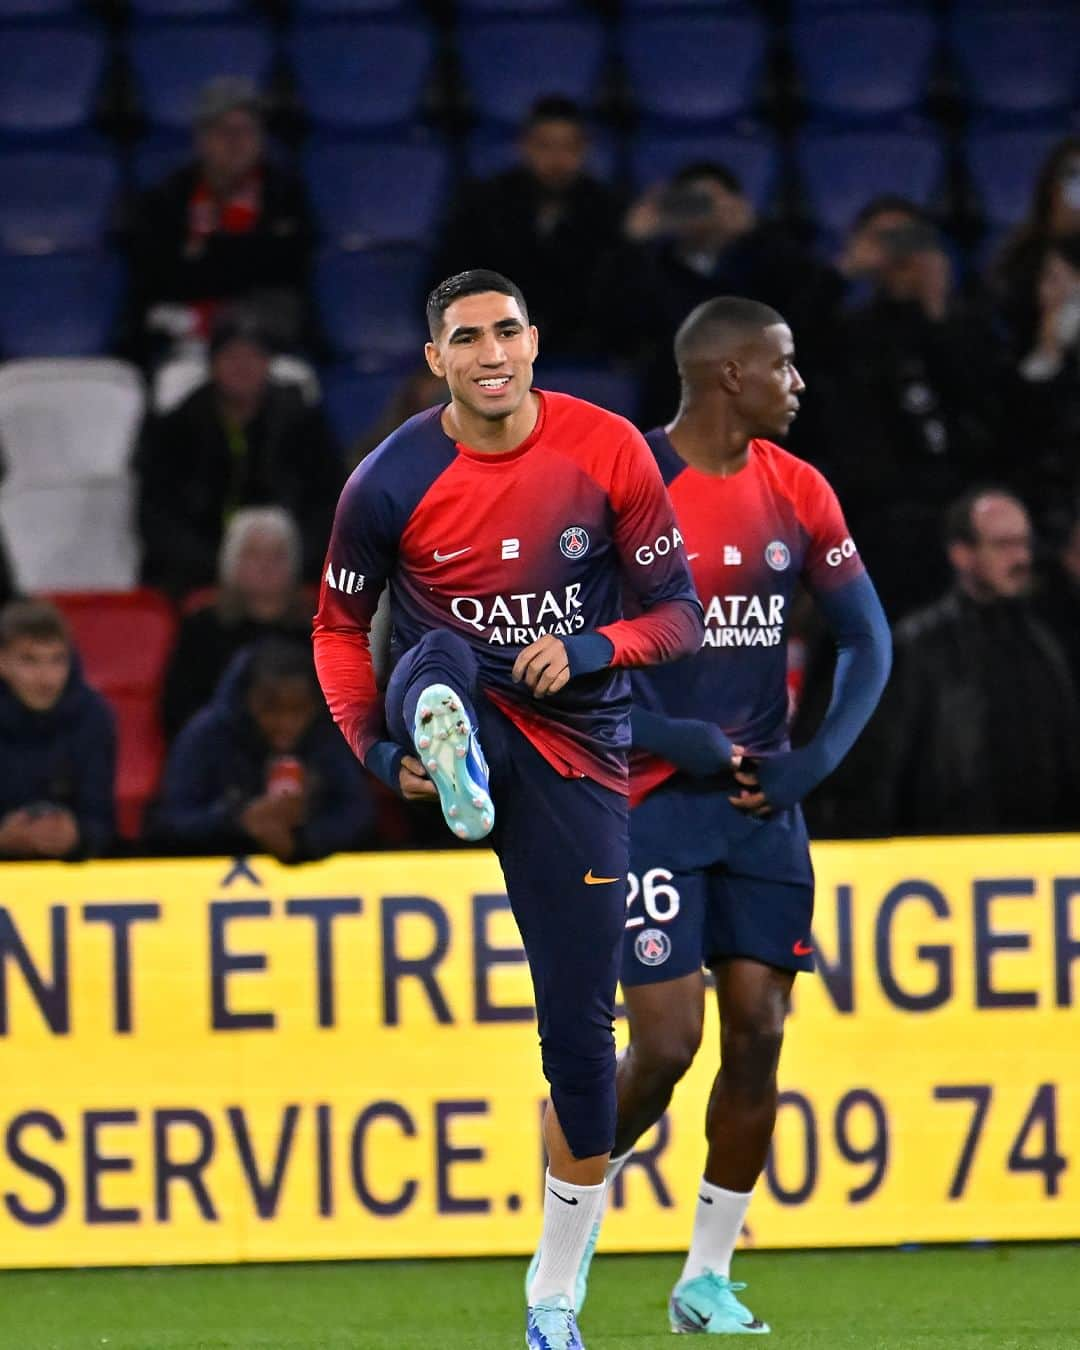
(616, 1165)
(569, 1215)
(718, 1222)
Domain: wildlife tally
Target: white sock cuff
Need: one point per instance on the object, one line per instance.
(719, 1193)
(571, 1187)
(616, 1164)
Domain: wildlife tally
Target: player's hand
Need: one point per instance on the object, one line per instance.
(543, 666)
(750, 798)
(414, 783)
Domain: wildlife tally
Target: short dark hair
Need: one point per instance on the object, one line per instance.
(958, 526)
(718, 321)
(277, 659)
(707, 168)
(34, 619)
(889, 201)
(476, 281)
(554, 108)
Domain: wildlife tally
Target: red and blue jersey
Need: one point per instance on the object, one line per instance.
(750, 537)
(504, 549)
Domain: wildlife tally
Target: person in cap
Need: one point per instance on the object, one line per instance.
(230, 225)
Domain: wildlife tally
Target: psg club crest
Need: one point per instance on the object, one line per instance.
(574, 542)
(778, 555)
(652, 947)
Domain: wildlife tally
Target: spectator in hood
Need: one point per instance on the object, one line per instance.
(57, 742)
(241, 439)
(262, 769)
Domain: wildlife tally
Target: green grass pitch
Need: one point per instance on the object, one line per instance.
(1000, 1298)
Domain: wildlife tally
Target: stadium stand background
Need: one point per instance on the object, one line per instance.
(384, 108)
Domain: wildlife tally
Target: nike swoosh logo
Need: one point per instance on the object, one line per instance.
(801, 949)
(705, 1199)
(590, 880)
(691, 556)
(563, 1198)
(445, 557)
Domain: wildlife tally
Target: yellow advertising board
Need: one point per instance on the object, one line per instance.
(221, 1061)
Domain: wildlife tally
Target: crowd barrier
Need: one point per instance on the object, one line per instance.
(217, 1060)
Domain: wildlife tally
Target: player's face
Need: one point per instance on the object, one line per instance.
(998, 564)
(283, 710)
(485, 353)
(36, 670)
(554, 153)
(768, 399)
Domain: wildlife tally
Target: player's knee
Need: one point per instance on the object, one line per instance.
(665, 1053)
(750, 1055)
(442, 642)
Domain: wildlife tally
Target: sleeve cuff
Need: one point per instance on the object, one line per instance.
(588, 653)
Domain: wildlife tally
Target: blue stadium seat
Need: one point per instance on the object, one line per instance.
(354, 400)
(681, 6)
(373, 193)
(842, 171)
(377, 8)
(371, 302)
(155, 157)
(58, 306)
(557, 7)
(862, 66)
(362, 75)
(190, 9)
(1004, 166)
(490, 150)
(509, 63)
(37, 9)
(49, 78)
(608, 388)
(55, 201)
(173, 61)
(754, 160)
(693, 69)
(1018, 63)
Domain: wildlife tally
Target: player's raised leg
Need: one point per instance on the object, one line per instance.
(430, 706)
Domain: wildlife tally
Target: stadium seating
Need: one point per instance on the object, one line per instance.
(371, 302)
(68, 430)
(63, 305)
(355, 400)
(377, 8)
(190, 9)
(124, 641)
(754, 159)
(1003, 166)
(535, 57)
(49, 78)
(597, 384)
(1019, 63)
(155, 157)
(842, 171)
(377, 193)
(55, 200)
(864, 66)
(693, 69)
(362, 75)
(173, 61)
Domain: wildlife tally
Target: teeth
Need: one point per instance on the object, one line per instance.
(494, 384)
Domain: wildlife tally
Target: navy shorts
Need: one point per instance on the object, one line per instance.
(708, 882)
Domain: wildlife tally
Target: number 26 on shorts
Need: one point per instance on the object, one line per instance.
(659, 897)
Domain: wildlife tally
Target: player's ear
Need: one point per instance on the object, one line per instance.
(434, 360)
(731, 377)
(535, 335)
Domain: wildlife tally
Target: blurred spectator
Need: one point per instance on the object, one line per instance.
(687, 241)
(1055, 212)
(1059, 603)
(1045, 393)
(260, 597)
(979, 729)
(263, 769)
(229, 226)
(417, 392)
(57, 742)
(239, 440)
(915, 398)
(546, 223)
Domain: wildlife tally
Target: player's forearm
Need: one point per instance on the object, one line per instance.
(343, 664)
(670, 629)
(698, 748)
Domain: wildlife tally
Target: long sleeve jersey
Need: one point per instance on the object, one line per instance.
(504, 549)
